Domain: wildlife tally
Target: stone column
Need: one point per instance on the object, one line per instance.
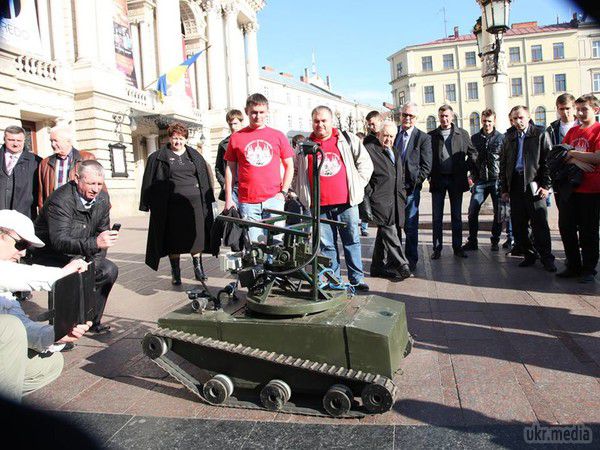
(85, 26)
(250, 29)
(230, 12)
(59, 42)
(10, 113)
(151, 143)
(42, 9)
(105, 29)
(216, 56)
(168, 30)
(148, 47)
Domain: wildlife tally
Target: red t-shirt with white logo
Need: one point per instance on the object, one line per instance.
(334, 182)
(258, 153)
(586, 140)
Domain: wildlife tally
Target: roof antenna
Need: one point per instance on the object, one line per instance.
(443, 11)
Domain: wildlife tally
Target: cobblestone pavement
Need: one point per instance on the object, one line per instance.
(497, 347)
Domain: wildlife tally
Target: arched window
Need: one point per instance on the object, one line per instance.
(540, 116)
(474, 122)
(431, 124)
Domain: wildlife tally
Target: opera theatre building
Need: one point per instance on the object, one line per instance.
(94, 65)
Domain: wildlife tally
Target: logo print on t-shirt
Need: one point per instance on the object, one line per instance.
(258, 153)
(581, 144)
(331, 166)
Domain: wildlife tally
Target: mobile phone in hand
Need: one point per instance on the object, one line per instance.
(116, 227)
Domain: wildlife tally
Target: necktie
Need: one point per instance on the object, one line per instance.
(391, 155)
(404, 144)
(10, 163)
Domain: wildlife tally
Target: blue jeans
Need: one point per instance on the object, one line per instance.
(411, 226)
(446, 185)
(350, 235)
(480, 192)
(255, 211)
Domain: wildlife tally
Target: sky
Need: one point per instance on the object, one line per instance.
(352, 38)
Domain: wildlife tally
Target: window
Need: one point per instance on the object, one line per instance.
(470, 59)
(474, 122)
(426, 63)
(431, 124)
(536, 53)
(455, 121)
(595, 49)
(449, 61)
(450, 91)
(540, 116)
(596, 82)
(401, 99)
(559, 50)
(429, 94)
(515, 54)
(398, 69)
(516, 87)
(290, 123)
(472, 91)
(560, 82)
(538, 85)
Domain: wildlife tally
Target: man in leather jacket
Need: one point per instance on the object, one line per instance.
(75, 222)
(488, 142)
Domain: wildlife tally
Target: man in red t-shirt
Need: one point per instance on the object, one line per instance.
(256, 153)
(345, 172)
(579, 213)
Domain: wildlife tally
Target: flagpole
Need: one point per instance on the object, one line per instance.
(153, 82)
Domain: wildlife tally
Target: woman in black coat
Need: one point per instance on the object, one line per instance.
(177, 190)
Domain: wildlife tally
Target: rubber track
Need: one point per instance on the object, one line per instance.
(193, 385)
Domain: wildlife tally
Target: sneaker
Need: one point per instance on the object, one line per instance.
(362, 287)
(469, 246)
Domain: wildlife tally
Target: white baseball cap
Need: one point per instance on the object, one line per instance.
(20, 224)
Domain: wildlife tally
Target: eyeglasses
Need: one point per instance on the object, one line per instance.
(20, 244)
(410, 116)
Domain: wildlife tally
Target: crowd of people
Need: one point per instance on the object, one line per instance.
(375, 178)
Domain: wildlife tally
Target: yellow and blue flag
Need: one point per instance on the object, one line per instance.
(175, 75)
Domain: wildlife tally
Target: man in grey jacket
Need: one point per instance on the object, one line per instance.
(345, 172)
(19, 373)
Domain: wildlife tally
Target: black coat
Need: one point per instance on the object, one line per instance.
(535, 151)
(220, 165)
(418, 157)
(385, 191)
(487, 164)
(25, 184)
(463, 158)
(67, 227)
(156, 190)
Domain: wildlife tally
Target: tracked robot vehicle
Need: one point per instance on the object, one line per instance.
(299, 342)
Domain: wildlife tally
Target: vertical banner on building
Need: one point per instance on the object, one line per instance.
(19, 26)
(123, 44)
(188, 85)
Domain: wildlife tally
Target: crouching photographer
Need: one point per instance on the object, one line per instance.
(29, 351)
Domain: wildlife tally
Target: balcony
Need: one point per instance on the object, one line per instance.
(144, 101)
(39, 71)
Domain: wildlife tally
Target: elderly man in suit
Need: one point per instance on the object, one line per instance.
(414, 149)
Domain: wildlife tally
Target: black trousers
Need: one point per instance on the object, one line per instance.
(106, 273)
(578, 218)
(388, 252)
(526, 209)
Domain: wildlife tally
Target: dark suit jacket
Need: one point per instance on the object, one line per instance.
(535, 151)
(23, 197)
(418, 157)
(385, 191)
(463, 158)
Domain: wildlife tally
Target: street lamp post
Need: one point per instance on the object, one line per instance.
(489, 31)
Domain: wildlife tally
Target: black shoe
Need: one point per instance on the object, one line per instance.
(68, 347)
(362, 287)
(436, 254)
(198, 269)
(99, 328)
(569, 273)
(383, 273)
(587, 278)
(175, 272)
(549, 266)
(527, 262)
(469, 246)
(460, 253)
(507, 244)
(404, 271)
(516, 251)
(495, 247)
(364, 233)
